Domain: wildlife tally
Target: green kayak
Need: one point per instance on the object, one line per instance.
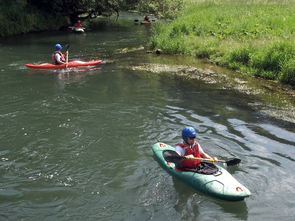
(219, 183)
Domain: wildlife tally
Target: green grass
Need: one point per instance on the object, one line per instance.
(255, 36)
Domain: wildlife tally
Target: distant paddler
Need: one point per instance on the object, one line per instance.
(57, 56)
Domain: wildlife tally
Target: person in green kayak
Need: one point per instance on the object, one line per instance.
(191, 149)
(57, 56)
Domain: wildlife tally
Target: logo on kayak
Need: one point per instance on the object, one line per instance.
(162, 145)
(239, 189)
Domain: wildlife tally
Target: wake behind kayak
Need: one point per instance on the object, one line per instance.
(218, 183)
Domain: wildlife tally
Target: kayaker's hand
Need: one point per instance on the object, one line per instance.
(190, 156)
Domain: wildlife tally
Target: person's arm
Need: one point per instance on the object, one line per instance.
(205, 155)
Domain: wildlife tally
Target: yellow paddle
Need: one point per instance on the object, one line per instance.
(228, 162)
(172, 155)
(67, 55)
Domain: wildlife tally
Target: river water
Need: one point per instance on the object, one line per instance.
(76, 144)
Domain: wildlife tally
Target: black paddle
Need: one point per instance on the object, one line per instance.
(172, 156)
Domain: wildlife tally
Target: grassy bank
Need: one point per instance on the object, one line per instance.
(20, 18)
(256, 37)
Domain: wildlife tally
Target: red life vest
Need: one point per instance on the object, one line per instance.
(194, 150)
(62, 57)
(78, 26)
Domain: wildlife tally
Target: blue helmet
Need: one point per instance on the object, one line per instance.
(188, 132)
(58, 47)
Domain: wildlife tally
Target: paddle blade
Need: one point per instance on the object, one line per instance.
(66, 47)
(232, 162)
(172, 156)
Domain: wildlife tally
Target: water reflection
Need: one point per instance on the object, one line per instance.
(195, 205)
(69, 75)
(238, 209)
(62, 71)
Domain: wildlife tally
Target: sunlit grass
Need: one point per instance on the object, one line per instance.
(254, 36)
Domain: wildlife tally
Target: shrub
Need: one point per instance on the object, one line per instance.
(270, 61)
(288, 73)
(241, 55)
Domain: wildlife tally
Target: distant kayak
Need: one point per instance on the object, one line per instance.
(77, 29)
(218, 183)
(145, 22)
(71, 64)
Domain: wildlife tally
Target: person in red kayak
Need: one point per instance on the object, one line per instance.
(146, 18)
(78, 24)
(57, 56)
(190, 148)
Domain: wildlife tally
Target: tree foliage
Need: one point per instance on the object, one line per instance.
(163, 8)
(74, 8)
(22, 16)
(94, 8)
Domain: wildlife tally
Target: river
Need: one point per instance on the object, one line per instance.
(76, 144)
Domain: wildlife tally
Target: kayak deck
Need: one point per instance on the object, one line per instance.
(221, 184)
(76, 63)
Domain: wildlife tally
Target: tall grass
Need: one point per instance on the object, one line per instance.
(253, 36)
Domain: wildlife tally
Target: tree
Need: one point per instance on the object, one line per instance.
(93, 8)
(74, 8)
(163, 8)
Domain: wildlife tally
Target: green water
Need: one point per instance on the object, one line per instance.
(76, 144)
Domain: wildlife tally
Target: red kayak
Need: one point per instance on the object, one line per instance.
(62, 66)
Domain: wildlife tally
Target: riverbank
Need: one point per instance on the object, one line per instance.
(260, 42)
(272, 99)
